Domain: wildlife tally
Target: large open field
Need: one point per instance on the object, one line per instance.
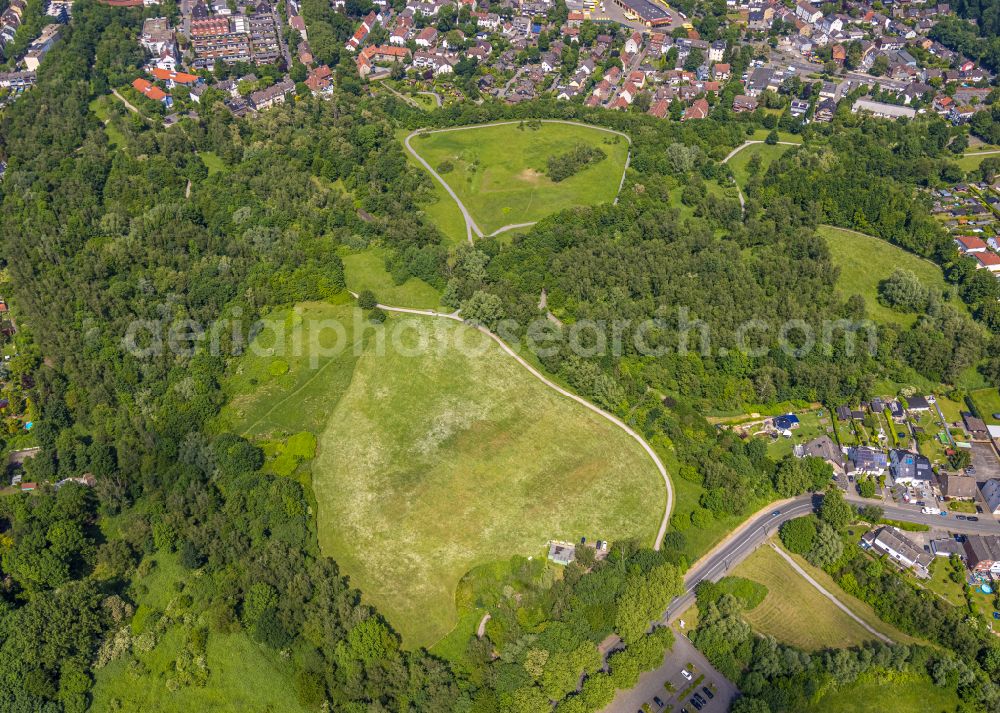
(794, 611)
(499, 171)
(437, 453)
(864, 261)
(456, 456)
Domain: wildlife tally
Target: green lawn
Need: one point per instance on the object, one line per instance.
(986, 402)
(438, 459)
(864, 261)
(767, 153)
(812, 424)
(971, 161)
(366, 271)
(908, 693)
(794, 611)
(242, 676)
(212, 162)
(442, 211)
(499, 170)
(100, 109)
(283, 384)
(761, 135)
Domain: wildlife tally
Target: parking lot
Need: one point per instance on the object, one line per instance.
(984, 460)
(668, 689)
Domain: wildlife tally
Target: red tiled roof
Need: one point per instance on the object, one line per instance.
(988, 259)
(153, 92)
(970, 242)
(176, 77)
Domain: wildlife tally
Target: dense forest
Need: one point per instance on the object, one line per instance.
(109, 246)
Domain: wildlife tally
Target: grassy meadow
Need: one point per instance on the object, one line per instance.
(242, 675)
(437, 462)
(906, 693)
(365, 270)
(795, 612)
(437, 453)
(865, 261)
(768, 153)
(499, 172)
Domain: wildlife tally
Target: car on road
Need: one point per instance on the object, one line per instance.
(686, 674)
(972, 518)
(708, 692)
(657, 701)
(930, 511)
(921, 503)
(776, 513)
(961, 517)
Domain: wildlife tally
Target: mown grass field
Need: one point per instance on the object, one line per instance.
(366, 271)
(768, 154)
(864, 261)
(794, 611)
(439, 458)
(971, 161)
(907, 693)
(500, 171)
(242, 675)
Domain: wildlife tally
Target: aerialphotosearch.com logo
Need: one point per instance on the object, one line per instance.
(319, 339)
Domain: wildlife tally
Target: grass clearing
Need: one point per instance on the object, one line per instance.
(864, 261)
(100, 109)
(768, 154)
(761, 135)
(499, 170)
(365, 270)
(270, 403)
(213, 162)
(408, 503)
(794, 611)
(900, 693)
(242, 675)
(986, 402)
(861, 609)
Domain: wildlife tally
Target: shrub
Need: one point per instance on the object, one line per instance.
(798, 535)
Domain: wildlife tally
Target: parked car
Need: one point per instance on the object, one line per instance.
(921, 503)
(686, 674)
(657, 701)
(696, 704)
(972, 518)
(698, 697)
(961, 517)
(708, 692)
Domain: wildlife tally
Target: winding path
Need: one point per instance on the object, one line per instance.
(568, 394)
(739, 188)
(471, 227)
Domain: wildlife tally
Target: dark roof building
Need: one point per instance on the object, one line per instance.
(786, 422)
(867, 460)
(960, 487)
(823, 447)
(982, 552)
(899, 548)
(910, 467)
(975, 426)
(917, 403)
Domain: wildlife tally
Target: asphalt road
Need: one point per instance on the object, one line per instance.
(715, 565)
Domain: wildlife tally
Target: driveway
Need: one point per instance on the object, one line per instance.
(683, 655)
(984, 459)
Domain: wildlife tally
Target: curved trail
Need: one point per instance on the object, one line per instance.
(739, 188)
(471, 227)
(568, 394)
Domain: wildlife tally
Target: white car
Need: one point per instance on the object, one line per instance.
(685, 674)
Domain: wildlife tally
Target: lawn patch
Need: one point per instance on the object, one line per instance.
(768, 153)
(366, 271)
(986, 402)
(900, 693)
(865, 261)
(794, 611)
(499, 169)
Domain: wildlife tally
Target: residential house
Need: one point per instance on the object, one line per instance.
(427, 37)
(822, 447)
(910, 468)
(975, 426)
(866, 460)
(151, 91)
(900, 549)
(743, 103)
(987, 261)
(958, 487)
(982, 553)
(882, 110)
(807, 12)
(698, 110)
(990, 491)
(273, 95)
